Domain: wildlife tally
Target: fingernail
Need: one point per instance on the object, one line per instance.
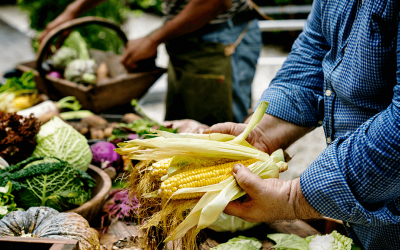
(236, 168)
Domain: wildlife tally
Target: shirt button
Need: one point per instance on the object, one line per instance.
(328, 93)
(319, 122)
(328, 140)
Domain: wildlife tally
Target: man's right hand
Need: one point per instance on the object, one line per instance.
(270, 134)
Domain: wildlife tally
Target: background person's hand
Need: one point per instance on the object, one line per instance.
(266, 200)
(137, 50)
(187, 126)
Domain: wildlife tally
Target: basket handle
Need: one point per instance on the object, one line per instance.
(78, 22)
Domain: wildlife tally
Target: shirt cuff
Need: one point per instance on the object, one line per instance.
(283, 104)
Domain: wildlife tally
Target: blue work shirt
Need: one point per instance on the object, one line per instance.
(343, 73)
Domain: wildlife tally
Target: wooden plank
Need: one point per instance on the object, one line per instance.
(281, 25)
(36, 240)
(59, 246)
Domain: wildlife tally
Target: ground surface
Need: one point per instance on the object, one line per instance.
(15, 48)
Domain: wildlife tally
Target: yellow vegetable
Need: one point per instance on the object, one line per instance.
(198, 177)
(193, 166)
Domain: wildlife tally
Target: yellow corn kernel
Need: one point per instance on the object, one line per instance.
(199, 177)
(160, 168)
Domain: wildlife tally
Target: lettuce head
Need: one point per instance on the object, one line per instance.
(59, 139)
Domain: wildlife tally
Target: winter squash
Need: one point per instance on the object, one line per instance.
(45, 222)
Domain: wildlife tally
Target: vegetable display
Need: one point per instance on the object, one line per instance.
(330, 241)
(83, 69)
(58, 139)
(45, 222)
(197, 183)
(48, 181)
(17, 136)
(7, 203)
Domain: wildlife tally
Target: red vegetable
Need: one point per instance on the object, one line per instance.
(17, 136)
(55, 74)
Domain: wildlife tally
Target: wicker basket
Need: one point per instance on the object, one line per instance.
(92, 207)
(119, 90)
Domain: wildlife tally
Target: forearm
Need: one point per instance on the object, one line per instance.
(79, 7)
(195, 15)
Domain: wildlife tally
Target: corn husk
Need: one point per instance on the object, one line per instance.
(180, 221)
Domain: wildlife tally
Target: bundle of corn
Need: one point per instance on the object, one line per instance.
(185, 181)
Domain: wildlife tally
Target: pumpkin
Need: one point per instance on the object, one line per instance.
(45, 222)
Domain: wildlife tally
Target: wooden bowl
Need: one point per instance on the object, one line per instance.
(100, 192)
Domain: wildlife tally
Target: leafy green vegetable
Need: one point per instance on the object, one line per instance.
(63, 56)
(141, 127)
(240, 243)
(59, 139)
(7, 203)
(288, 241)
(26, 81)
(48, 181)
(330, 241)
(41, 12)
(69, 102)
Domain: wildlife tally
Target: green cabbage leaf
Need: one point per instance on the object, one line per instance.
(240, 243)
(332, 241)
(48, 181)
(59, 139)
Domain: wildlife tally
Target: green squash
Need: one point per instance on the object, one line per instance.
(45, 222)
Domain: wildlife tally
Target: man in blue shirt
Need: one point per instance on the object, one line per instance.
(343, 73)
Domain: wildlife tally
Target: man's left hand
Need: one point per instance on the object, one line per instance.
(138, 50)
(266, 200)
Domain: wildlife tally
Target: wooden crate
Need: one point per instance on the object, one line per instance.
(119, 90)
(23, 243)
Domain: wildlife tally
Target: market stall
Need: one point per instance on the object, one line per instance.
(75, 177)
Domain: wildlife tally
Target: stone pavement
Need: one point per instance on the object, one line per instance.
(15, 47)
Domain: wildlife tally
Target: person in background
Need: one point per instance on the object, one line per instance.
(213, 46)
(343, 73)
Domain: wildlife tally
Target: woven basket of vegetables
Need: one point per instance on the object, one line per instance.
(96, 78)
(185, 181)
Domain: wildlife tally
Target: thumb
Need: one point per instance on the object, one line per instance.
(249, 182)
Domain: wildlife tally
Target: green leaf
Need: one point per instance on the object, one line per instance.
(240, 243)
(288, 241)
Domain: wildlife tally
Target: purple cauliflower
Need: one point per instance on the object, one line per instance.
(104, 154)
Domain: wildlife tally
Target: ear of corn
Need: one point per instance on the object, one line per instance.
(197, 177)
(217, 197)
(194, 172)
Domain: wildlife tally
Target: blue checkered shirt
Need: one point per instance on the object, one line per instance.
(344, 73)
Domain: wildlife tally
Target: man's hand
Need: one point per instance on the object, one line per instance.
(137, 50)
(268, 200)
(269, 135)
(187, 126)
